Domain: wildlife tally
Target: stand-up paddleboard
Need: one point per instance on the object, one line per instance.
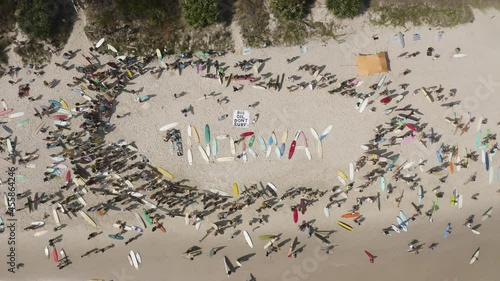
(47, 252)
(55, 255)
(134, 260)
(227, 266)
(370, 256)
(295, 215)
(169, 126)
(165, 173)
(475, 256)
(203, 154)
(56, 217)
(487, 214)
(345, 225)
(248, 238)
(99, 43)
(87, 218)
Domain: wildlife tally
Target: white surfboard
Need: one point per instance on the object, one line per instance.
(314, 133)
(351, 171)
(198, 223)
(186, 218)
(475, 231)
(226, 266)
(111, 48)
(460, 201)
(190, 156)
(203, 154)
(320, 149)
(326, 210)
(248, 238)
(47, 252)
(475, 256)
(273, 187)
(63, 253)
(15, 115)
(169, 126)
(459, 56)
(138, 257)
(134, 260)
(40, 233)
(56, 217)
(232, 146)
(254, 154)
(99, 43)
(308, 153)
(225, 159)
(189, 130)
(363, 105)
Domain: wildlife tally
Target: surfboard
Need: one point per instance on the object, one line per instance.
(351, 171)
(55, 255)
(370, 256)
(227, 266)
(403, 217)
(189, 156)
(326, 210)
(196, 136)
(420, 193)
(248, 238)
(295, 215)
(207, 134)
(138, 256)
(326, 132)
(475, 256)
(380, 83)
(402, 224)
(386, 100)
(40, 233)
(165, 173)
(56, 217)
(475, 231)
(447, 230)
(99, 43)
(427, 95)
(88, 219)
(487, 214)
(292, 149)
(232, 146)
(111, 48)
(203, 154)
(345, 225)
(320, 149)
(214, 147)
(271, 242)
(129, 258)
(47, 252)
(363, 105)
(292, 247)
(395, 228)
(134, 260)
(169, 126)
(80, 199)
(382, 184)
(63, 254)
(459, 56)
(236, 190)
(315, 134)
(15, 115)
(140, 220)
(351, 215)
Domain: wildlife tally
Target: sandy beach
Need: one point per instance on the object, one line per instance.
(473, 78)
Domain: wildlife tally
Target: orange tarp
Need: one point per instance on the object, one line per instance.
(372, 64)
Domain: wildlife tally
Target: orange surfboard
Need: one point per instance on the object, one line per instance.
(351, 215)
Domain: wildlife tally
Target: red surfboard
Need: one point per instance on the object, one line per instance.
(411, 127)
(370, 256)
(54, 254)
(68, 177)
(59, 117)
(292, 149)
(295, 215)
(5, 112)
(246, 134)
(386, 100)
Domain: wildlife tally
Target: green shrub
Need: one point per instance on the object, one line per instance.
(36, 18)
(199, 13)
(289, 9)
(344, 8)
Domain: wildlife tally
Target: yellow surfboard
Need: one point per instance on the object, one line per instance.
(345, 225)
(343, 175)
(164, 172)
(236, 190)
(63, 103)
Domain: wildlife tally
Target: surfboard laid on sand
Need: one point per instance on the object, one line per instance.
(487, 214)
(99, 43)
(475, 256)
(351, 215)
(56, 217)
(165, 173)
(203, 154)
(345, 225)
(55, 255)
(370, 256)
(134, 260)
(87, 218)
(248, 239)
(169, 126)
(295, 215)
(292, 247)
(47, 252)
(227, 266)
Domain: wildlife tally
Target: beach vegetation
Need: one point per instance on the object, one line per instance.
(289, 9)
(34, 19)
(200, 13)
(253, 19)
(344, 8)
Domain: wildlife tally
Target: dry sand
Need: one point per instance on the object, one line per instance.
(279, 111)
